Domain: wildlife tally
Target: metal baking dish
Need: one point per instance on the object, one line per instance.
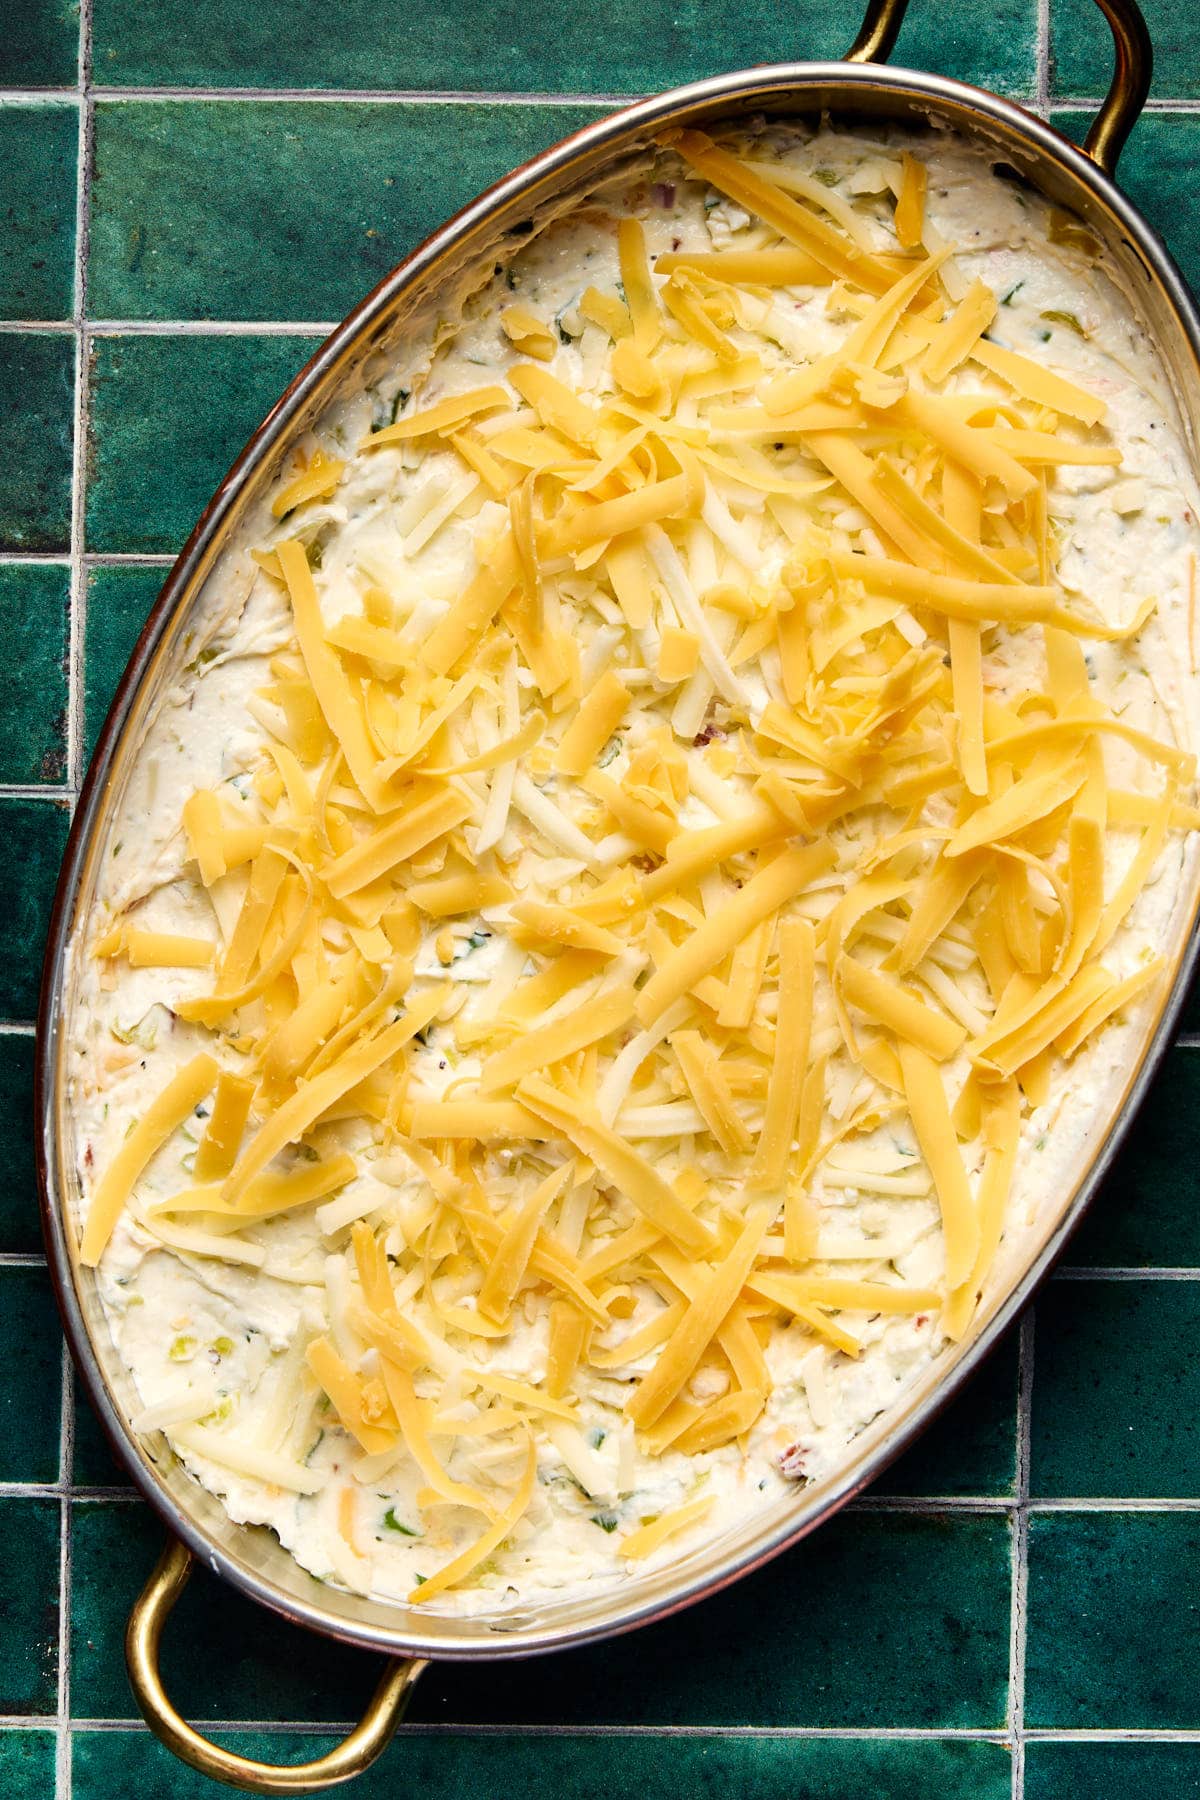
(251, 1558)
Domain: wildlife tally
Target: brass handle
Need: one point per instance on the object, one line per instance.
(355, 1753)
(1130, 84)
(880, 29)
(1122, 104)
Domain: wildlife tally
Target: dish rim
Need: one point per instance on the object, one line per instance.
(788, 87)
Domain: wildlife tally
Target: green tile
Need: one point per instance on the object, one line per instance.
(616, 47)
(579, 1767)
(1145, 1214)
(942, 1580)
(1158, 166)
(29, 1605)
(37, 412)
(31, 1356)
(223, 1658)
(118, 602)
(20, 1229)
(1081, 48)
(27, 1764)
(284, 210)
(34, 628)
(1114, 1619)
(153, 463)
(33, 835)
(39, 46)
(1108, 1421)
(39, 151)
(1112, 1771)
(972, 1447)
(825, 1636)
(93, 1462)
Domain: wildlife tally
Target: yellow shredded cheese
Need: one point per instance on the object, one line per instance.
(723, 820)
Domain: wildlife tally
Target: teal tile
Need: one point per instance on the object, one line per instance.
(20, 1229)
(93, 1463)
(37, 412)
(1112, 1771)
(1145, 1214)
(223, 1658)
(1158, 166)
(972, 1447)
(573, 1767)
(39, 46)
(35, 629)
(29, 1606)
(615, 47)
(284, 210)
(1081, 48)
(27, 1761)
(118, 602)
(1113, 1620)
(153, 463)
(39, 151)
(1109, 1421)
(826, 1636)
(30, 1396)
(33, 835)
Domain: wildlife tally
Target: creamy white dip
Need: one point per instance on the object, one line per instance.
(209, 1342)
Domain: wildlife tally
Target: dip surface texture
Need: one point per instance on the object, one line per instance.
(669, 850)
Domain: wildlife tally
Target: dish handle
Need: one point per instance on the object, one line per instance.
(1134, 64)
(355, 1753)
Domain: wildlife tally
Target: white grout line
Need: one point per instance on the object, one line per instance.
(937, 1506)
(466, 97)
(20, 790)
(16, 1028)
(76, 725)
(22, 1259)
(36, 327)
(1041, 100)
(15, 96)
(927, 1734)
(177, 327)
(66, 1463)
(1107, 1274)
(363, 96)
(75, 739)
(316, 328)
(1020, 1558)
(1159, 104)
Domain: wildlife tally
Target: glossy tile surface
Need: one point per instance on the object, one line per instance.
(31, 1395)
(37, 405)
(119, 600)
(1111, 1771)
(19, 1231)
(1114, 1611)
(1107, 1423)
(231, 216)
(39, 154)
(39, 46)
(582, 1767)
(33, 834)
(29, 1606)
(154, 463)
(615, 47)
(34, 672)
(204, 209)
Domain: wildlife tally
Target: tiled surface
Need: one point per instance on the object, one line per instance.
(1015, 1607)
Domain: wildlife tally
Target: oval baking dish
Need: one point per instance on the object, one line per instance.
(861, 89)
